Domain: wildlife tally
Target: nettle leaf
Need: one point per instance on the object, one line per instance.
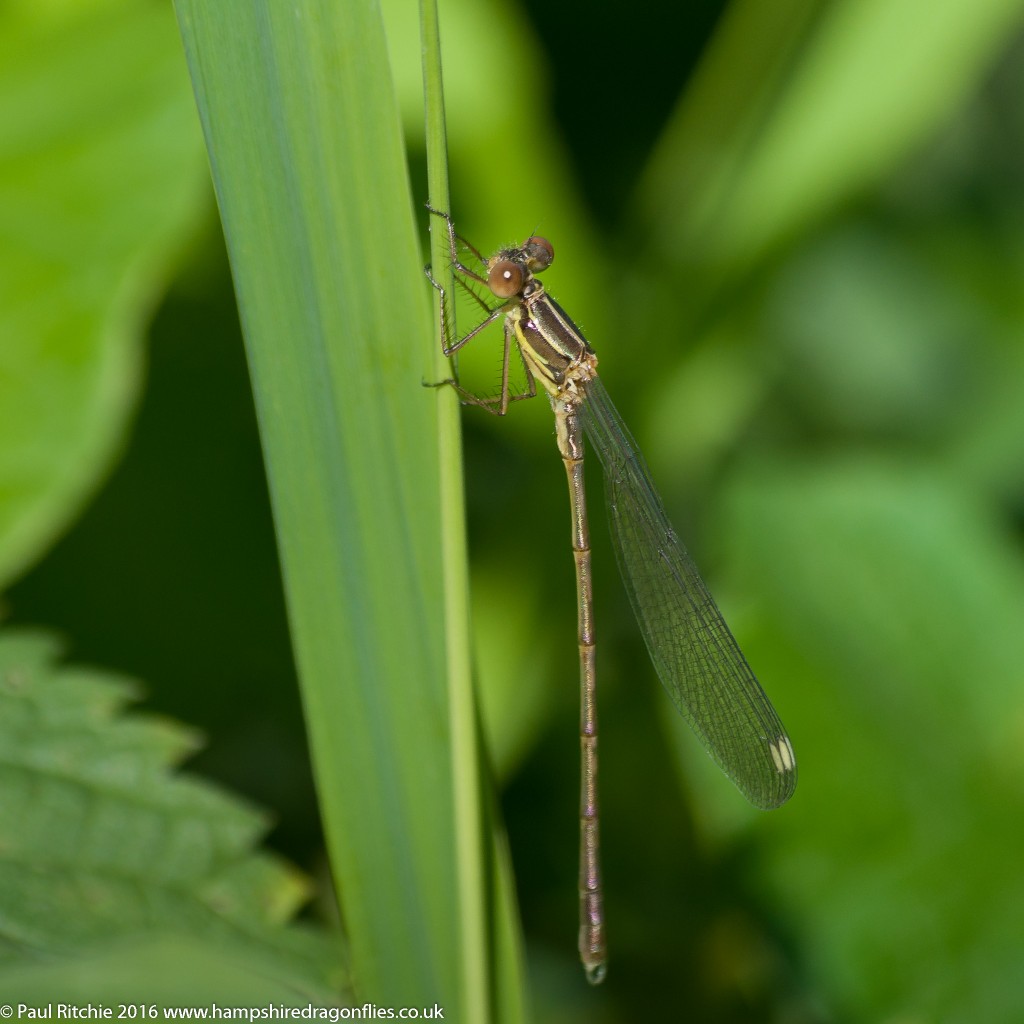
(103, 846)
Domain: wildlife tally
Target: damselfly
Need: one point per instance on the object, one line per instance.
(699, 662)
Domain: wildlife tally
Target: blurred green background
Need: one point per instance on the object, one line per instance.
(793, 233)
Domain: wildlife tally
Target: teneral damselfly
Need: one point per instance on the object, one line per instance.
(695, 654)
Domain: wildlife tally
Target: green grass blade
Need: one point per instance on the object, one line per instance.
(466, 775)
(304, 141)
(493, 943)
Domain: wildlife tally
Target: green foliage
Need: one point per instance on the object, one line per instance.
(107, 851)
(912, 766)
(101, 179)
(792, 233)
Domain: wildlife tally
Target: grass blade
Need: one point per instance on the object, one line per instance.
(493, 944)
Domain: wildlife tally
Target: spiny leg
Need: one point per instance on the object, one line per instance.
(498, 404)
(453, 244)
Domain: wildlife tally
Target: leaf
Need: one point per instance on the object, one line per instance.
(892, 645)
(162, 971)
(303, 133)
(799, 106)
(103, 846)
(101, 178)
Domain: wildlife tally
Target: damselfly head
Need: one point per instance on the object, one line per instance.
(509, 271)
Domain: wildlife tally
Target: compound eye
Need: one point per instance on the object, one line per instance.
(540, 253)
(505, 279)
